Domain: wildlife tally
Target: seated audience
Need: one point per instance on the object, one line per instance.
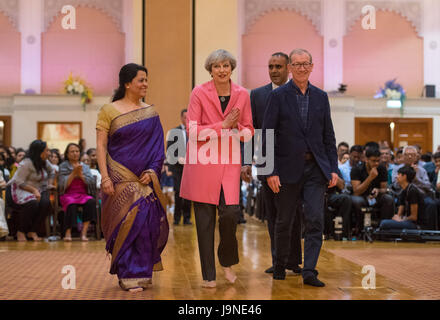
(385, 160)
(355, 158)
(342, 149)
(3, 169)
(342, 203)
(399, 157)
(369, 181)
(410, 202)
(21, 153)
(436, 181)
(29, 190)
(77, 188)
(429, 166)
(4, 230)
(93, 160)
(421, 181)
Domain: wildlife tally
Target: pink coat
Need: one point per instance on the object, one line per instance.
(202, 179)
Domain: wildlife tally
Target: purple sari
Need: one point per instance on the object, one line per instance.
(134, 221)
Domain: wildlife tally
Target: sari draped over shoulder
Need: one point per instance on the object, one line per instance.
(133, 220)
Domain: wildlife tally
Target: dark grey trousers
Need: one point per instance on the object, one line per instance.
(227, 252)
(311, 187)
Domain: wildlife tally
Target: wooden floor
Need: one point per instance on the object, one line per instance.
(34, 270)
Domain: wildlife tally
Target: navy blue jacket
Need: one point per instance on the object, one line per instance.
(259, 98)
(292, 140)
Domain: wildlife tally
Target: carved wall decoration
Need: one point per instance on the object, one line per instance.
(10, 9)
(113, 8)
(255, 9)
(410, 10)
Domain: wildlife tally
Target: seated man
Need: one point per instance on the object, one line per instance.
(410, 202)
(436, 181)
(355, 158)
(421, 181)
(342, 203)
(369, 181)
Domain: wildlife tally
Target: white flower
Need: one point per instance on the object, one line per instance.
(70, 88)
(80, 89)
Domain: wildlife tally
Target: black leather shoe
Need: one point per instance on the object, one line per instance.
(269, 270)
(187, 222)
(279, 274)
(313, 281)
(176, 223)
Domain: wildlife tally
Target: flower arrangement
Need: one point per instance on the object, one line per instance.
(392, 91)
(76, 86)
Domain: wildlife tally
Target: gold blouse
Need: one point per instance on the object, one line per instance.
(105, 117)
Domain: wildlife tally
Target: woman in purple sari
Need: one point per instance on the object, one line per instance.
(130, 152)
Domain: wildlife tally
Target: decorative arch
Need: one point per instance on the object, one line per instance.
(410, 10)
(271, 33)
(372, 57)
(112, 8)
(255, 9)
(95, 51)
(10, 9)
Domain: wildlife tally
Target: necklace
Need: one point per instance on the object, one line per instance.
(222, 99)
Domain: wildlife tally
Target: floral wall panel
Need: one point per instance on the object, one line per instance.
(279, 31)
(392, 50)
(10, 62)
(94, 51)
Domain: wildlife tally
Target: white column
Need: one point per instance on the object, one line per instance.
(132, 27)
(31, 20)
(333, 24)
(431, 43)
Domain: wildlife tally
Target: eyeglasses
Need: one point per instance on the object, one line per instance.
(306, 65)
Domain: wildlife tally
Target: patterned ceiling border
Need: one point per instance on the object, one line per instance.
(410, 10)
(113, 8)
(10, 9)
(255, 9)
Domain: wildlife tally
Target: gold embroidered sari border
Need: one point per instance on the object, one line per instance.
(132, 117)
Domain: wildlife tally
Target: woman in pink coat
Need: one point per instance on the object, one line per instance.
(219, 116)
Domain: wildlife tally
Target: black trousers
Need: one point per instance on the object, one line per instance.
(312, 187)
(88, 214)
(342, 203)
(181, 206)
(32, 214)
(227, 252)
(295, 254)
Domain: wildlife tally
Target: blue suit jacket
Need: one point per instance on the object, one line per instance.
(259, 97)
(292, 139)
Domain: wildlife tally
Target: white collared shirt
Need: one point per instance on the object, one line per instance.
(274, 86)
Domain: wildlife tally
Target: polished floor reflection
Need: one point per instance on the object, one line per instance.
(35, 270)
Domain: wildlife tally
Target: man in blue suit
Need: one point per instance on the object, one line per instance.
(278, 73)
(305, 162)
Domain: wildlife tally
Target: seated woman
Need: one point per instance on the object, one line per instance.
(410, 203)
(95, 173)
(76, 186)
(4, 230)
(29, 190)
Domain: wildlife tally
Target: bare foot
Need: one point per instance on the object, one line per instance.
(209, 284)
(34, 236)
(68, 239)
(84, 238)
(136, 289)
(230, 274)
(21, 237)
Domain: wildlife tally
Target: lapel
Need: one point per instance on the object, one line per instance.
(311, 108)
(214, 97)
(233, 99)
(293, 104)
